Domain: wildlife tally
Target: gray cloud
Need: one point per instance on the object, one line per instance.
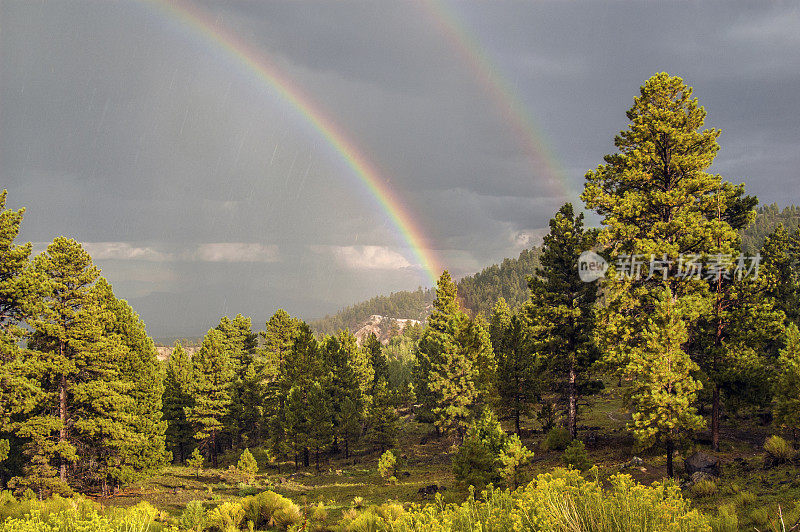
(200, 191)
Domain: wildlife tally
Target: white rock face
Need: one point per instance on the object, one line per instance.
(384, 327)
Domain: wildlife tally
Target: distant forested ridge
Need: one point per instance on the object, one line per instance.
(477, 293)
(767, 219)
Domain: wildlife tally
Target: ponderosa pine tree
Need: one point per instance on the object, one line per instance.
(561, 309)
(279, 338)
(211, 392)
(382, 419)
(787, 384)
(303, 367)
(103, 411)
(661, 207)
(664, 389)
(297, 424)
(177, 402)
(518, 383)
(321, 417)
(377, 359)
(141, 370)
(351, 418)
(455, 368)
(349, 375)
(17, 297)
(240, 342)
(68, 275)
(780, 255)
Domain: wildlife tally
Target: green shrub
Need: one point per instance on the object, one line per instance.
(78, 514)
(575, 456)
(704, 488)
(387, 465)
(268, 509)
(557, 439)
(779, 448)
(225, 517)
(558, 501)
(744, 498)
(726, 520)
(546, 416)
(193, 517)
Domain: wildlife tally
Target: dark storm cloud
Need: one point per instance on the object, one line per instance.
(200, 192)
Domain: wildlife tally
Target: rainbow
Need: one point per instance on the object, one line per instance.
(503, 94)
(259, 65)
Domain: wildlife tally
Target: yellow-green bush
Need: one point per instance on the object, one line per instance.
(225, 517)
(779, 448)
(193, 517)
(78, 514)
(268, 509)
(557, 439)
(704, 488)
(562, 500)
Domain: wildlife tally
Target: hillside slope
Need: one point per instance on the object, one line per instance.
(477, 294)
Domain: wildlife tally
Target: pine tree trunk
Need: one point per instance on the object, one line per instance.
(715, 413)
(573, 409)
(516, 420)
(62, 412)
(214, 449)
(346, 448)
(305, 457)
(670, 450)
(316, 458)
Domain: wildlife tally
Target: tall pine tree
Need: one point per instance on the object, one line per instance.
(455, 368)
(518, 383)
(561, 309)
(661, 207)
(177, 402)
(211, 392)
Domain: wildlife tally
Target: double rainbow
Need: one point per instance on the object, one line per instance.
(259, 65)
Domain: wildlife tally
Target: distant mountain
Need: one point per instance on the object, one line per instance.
(477, 294)
(767, 219)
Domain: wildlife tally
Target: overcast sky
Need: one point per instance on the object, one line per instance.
(201, 192)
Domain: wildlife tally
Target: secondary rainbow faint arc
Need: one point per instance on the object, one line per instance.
(260, 65)
(503, 94)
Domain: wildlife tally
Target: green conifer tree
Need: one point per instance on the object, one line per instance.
(140, 368)
(518, 383)
(562, 307)
(278, 353)
(349, 377)
(320, 420)
(455, 367)
(664, 389)
(382, 419)
(377, 359)
(211, 396)
(659, 205)
(18, 286)
(177, 401)
(67, 276)
(247, 464)
(787, 385)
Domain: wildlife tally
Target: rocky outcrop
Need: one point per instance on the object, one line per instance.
(704, 463)
(163, 353)
(384, 327)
